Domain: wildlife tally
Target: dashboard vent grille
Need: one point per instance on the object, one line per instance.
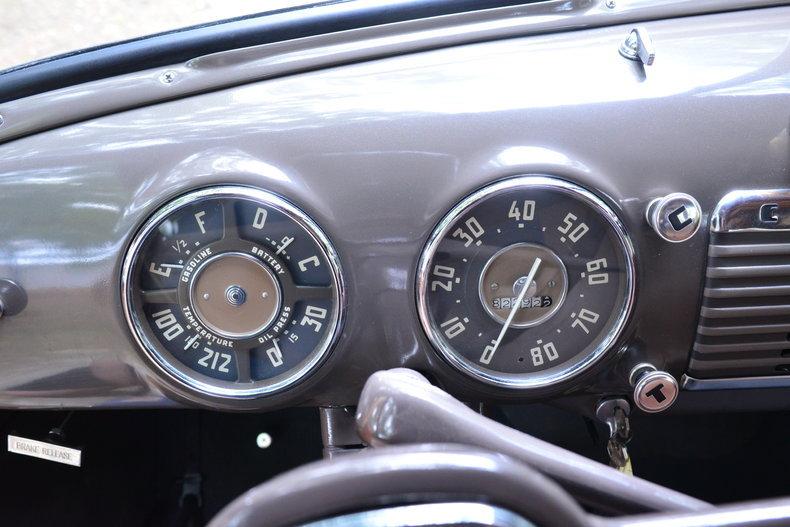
(744, 326)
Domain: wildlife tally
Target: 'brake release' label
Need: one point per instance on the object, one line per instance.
(42, 450)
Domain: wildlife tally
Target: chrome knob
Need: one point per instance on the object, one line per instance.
(675, 217)
(654, 390)
(638, 46)
(13, 298)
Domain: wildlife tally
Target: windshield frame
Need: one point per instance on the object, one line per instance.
(180, 45)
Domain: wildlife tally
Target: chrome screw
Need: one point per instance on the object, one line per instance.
(168, 77)
(235, 295)
(610, 4)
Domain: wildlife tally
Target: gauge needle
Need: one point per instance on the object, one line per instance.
(516, 305)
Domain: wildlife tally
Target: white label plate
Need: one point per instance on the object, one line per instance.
(42, 450)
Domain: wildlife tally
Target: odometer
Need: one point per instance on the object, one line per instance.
(232, 292)
(526, 283)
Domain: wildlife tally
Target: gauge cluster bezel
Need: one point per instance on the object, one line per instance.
(193, 385)
(536, 382)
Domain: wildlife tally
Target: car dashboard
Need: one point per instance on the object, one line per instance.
(378, 157)
(565, 209)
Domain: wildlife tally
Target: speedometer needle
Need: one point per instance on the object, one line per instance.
(516, 305)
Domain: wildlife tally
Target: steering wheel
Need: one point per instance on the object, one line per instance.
(433, 461)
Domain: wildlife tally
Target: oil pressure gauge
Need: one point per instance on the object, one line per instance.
(526, 283)
(233, 292)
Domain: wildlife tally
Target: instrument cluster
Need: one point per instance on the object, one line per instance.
(234, 293)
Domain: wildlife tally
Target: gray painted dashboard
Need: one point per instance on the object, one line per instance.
(376, 153)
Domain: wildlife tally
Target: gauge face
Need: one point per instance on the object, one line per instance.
(233, 292)
(526, 283)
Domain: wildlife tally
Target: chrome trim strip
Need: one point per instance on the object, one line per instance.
(735, 383)
(764, 513)
(429, 515)
(193, 380)
(230, 68)
(535, 380)
(740, 210)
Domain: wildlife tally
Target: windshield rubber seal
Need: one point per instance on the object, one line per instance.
(181, 45)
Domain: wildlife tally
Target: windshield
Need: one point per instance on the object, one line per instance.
(31, 31)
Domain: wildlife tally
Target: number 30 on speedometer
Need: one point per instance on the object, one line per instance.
(526, 283)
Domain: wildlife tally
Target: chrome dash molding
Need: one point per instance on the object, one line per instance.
(220, 70)
(752, 211)
(734, 383)
(774, 511)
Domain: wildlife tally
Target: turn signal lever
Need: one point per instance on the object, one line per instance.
(400, 407)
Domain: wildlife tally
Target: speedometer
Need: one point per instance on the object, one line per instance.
(526, 283)
(233, 292)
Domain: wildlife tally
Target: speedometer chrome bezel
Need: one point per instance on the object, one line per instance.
(194, 381)
(536, 380)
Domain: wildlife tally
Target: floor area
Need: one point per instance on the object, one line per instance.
(150, 468)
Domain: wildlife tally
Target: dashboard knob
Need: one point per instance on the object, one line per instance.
(654, 390)
(13, 298)
(676, 217)
(638, 46)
